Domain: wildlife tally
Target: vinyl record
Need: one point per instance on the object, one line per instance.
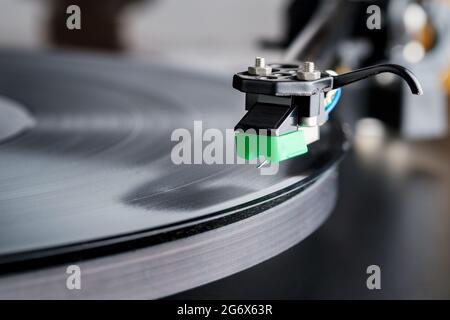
(87, 172)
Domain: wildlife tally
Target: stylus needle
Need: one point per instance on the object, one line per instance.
(262, 163)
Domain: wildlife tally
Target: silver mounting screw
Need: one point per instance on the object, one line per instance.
(308, 72)
(260, 62)
(260, 68)
(308, 66)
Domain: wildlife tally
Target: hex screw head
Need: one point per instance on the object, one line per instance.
(307, 72)
(260, 68)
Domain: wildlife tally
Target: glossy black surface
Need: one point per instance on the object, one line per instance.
(96, 164)
(399, 221)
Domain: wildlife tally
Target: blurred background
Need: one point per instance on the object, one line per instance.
(394, 204)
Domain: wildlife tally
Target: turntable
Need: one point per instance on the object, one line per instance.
(86, 179)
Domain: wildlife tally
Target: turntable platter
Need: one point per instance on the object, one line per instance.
(94, 168)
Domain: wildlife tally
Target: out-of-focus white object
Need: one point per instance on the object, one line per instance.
(414, 18)
(423, 117)
(413, 52)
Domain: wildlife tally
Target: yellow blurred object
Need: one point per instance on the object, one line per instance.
(427, 36)
(446, 80)
(342, 69)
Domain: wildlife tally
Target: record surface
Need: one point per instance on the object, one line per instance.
(90, 163)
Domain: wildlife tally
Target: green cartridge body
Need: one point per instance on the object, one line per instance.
(273, 148)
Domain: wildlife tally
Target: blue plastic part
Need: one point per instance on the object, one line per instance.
(329, 107)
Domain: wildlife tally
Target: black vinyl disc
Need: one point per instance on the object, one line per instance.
(89, 172)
